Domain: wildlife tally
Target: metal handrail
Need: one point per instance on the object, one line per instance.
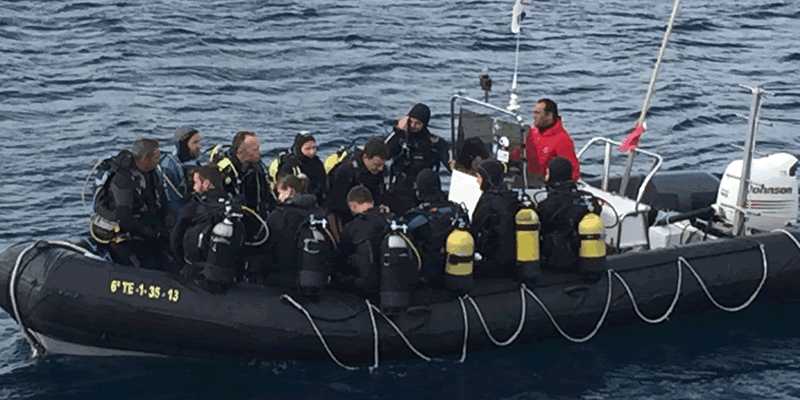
(607, 163)
(516, 116)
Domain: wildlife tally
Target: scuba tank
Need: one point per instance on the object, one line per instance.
(335, 158)
(460, 249)
(315, 257)
(592, 254)
(399, 269)
(526, 223)
(224, 243)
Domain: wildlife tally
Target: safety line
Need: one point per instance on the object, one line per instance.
(669, 309)
(746, 303)
(375, 339)
(558, 327)
(466, 331)
(319, 334)
(521, 325)
(784, 231)
(402, 335)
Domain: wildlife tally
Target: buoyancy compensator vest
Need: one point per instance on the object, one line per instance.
(428, 227)
(495, 233)
(141, 193)
(224, 241)
(275, 166)
(216, 234)
(417, 151)
(220, 156)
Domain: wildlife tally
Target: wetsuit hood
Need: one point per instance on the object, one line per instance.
(182, 137)
(124, 160)
(560, 170)
(428, 186)
(491, 172)
(421, 112)
(299, 140)
(470, 150)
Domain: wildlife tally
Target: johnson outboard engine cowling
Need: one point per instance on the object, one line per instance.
(771, 195)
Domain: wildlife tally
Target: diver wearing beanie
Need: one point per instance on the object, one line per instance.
(175, 167)
(412, 148)
(493, 223)
(304, 158)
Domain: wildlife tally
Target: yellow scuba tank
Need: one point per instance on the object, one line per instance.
(460, 248)
(592, 255)
(526, 223)
(334, 159)
(272, 172)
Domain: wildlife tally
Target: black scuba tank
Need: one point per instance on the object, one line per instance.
(400, 265)
(315, 255)
(224, 242)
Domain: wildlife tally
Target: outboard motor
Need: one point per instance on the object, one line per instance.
(526, 223)
(771, 196)
(460, 248)
(223, 247)
(315, 256)
(399, 269)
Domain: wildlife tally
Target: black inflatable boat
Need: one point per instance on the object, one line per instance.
(71, 303)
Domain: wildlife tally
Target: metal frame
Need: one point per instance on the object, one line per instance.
(657, 162)
(516, 116)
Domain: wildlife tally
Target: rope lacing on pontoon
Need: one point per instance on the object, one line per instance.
(523, 312)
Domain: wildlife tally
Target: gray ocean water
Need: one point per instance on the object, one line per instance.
(80, 80)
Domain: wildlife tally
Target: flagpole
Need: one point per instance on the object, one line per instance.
(623, 186)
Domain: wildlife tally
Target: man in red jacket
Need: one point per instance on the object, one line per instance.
(547, 140)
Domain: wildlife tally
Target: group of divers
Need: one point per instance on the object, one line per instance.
(303, 224)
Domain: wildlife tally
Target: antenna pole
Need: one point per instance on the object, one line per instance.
(747, 162)
(623, 186)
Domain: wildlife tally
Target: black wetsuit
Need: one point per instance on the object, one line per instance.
(281, 249)
(429, 223)
(411, 152)
(359, 250)
(349, 173)
(310, 167)
(193, 220)
(134, 200)
(493, 229)
(560, 214)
